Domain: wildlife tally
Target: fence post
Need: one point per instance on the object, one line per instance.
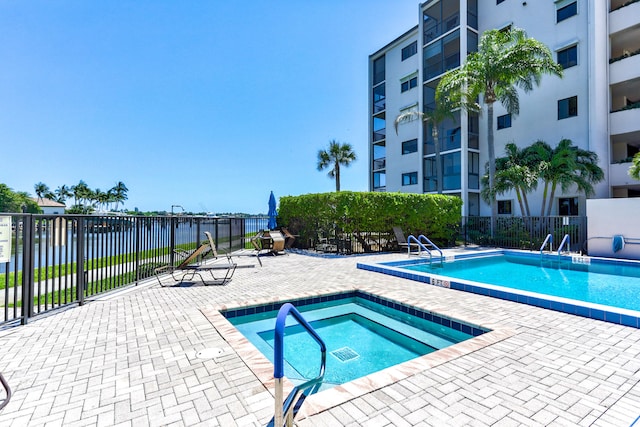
(172, 238)
(80, 276)
(136, 251)
(216, 229)
(198, 222)
(27, 267)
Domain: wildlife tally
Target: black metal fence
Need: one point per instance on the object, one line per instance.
(56, 260)
(524, 232)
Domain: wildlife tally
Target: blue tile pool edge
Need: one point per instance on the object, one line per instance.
(457, 324)
(579, 308)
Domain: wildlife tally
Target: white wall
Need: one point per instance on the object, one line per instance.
(396, 70)
(609, 217)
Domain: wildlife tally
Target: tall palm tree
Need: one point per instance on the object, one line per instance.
(42, 190)
(119, 193)
(434, 117)
(505, 62)
(81, 192)
(62, 193)
(337, 154)
(634, 169)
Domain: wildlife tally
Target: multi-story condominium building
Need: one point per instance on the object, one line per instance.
(595, 104)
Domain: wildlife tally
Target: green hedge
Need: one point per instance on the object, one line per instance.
(434, 215)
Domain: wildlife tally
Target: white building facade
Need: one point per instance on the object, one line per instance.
(594, 105)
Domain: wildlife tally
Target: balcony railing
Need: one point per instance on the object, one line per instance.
(623, 56)
(379, 106)
(627, 3)
(434, 30)
(379, 134)
(379, 163)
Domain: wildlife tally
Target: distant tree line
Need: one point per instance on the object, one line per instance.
(12, 201)
(85, 199)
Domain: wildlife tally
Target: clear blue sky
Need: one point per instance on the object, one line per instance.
(206, 104)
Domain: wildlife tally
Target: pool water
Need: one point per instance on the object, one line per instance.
(611, 284)
(361, 336)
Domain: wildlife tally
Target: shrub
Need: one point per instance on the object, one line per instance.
(434, 215)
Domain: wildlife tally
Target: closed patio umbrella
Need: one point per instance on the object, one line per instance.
(272, 212)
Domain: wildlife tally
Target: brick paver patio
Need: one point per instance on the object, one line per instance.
(132, 358)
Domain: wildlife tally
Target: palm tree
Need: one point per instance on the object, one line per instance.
(634, 169)
(337, 154)
(81, 192)
(42, 190)
(434, 117)
(505, 62)
(565, 165)
(62, 193)
(119, 193)
(516, 171)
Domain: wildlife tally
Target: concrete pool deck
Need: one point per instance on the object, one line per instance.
(141, 356)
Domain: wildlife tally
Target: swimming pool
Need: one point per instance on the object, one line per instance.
(363, 334)
(592, 287)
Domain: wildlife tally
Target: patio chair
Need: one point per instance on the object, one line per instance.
(402, 240)
(188, 269)
(230, 256)
(277, 240)
(288, 238)
(326, 245)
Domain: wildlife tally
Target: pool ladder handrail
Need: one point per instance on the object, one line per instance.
(7, 389)
(566, 240)
(424, 238)
(549, 239)
(284, 409)
(421, 247)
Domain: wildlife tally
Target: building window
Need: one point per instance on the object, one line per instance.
(409, 84)
(451, 171)
(379, 98)
(410, 178)
(567, 107)
(379, 180)
(473, 204)
(504, 121)
(410, 146)
(568, 57)
(474, 171)
(378, 70)
(410, 50)
(568, 206)
(504, 207)
(567, 11)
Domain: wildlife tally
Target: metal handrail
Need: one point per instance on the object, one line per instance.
(549, 239)
(8, 391)
(426, 239)
(565, 239)
(421, 247)
(284, 409)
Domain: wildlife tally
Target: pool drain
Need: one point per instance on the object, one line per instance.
(209, 353)
(345, 354)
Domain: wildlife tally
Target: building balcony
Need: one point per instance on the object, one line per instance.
(625, 69)
(625, 121)
(379, 163)
(379, 135)
(623, 18)
(619, 175)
